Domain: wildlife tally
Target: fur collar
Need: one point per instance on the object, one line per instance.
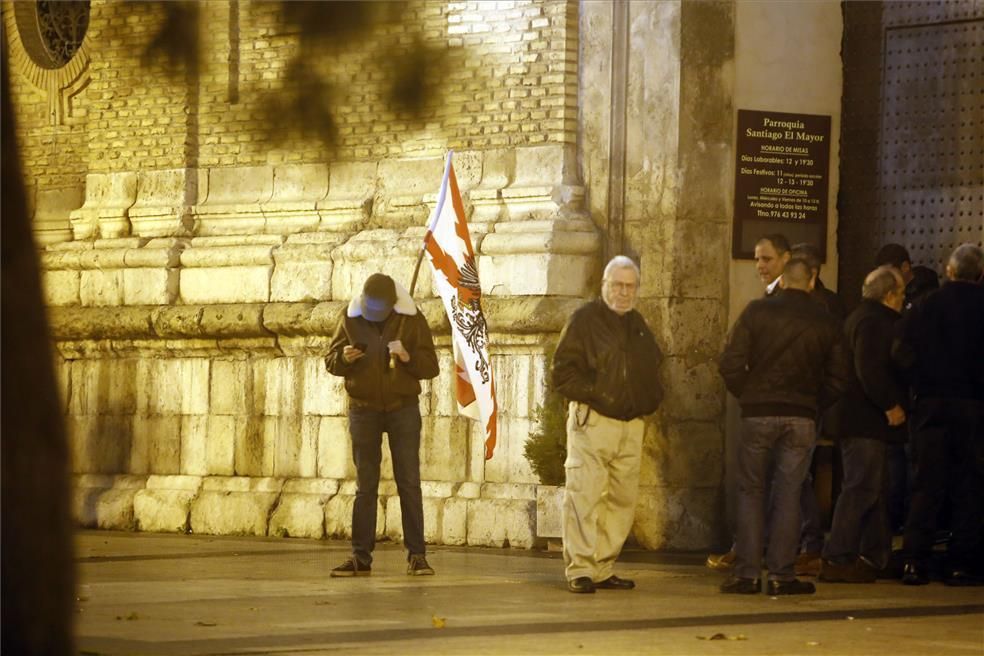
(404, 303)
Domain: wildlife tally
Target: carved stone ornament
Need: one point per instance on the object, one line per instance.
(47, 45)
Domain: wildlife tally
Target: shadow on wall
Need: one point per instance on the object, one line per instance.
(38, 581)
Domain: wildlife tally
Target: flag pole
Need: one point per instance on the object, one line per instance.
(423, 248)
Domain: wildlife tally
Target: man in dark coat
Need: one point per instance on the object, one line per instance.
(871, 414)
(606, 366)
(383, 348)
(942, 349)
(784, 360)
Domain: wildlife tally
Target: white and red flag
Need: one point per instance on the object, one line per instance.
(452, 258)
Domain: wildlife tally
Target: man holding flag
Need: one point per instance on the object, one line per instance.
(605, 364)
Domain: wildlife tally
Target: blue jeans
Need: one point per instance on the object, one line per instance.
(403, 427)
(860, 525)
(788, 442)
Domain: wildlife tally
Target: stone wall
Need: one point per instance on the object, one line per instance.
(195, 271)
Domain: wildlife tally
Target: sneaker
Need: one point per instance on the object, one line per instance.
(351, 567)
(417, 566)
(807, 564)
(855, 572)
(722, 562)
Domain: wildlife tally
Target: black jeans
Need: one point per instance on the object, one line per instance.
(788, 443)
(860, 524)
(948, 459)
(403, 428)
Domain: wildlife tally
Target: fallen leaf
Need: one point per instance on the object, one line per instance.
(438, 622)
(812, 643)
(740, 636)
(200, 623)
(850, 617)
(132, 616)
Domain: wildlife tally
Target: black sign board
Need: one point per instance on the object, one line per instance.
(781, 179)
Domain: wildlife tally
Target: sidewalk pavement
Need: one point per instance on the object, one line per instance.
(149, 594)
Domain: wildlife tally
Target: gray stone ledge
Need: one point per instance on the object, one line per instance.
(506, 316)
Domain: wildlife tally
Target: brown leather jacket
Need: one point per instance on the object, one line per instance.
(369, 381)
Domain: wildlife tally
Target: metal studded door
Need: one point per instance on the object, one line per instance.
(912, 136)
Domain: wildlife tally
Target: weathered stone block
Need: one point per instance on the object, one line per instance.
(194, 445)
(230, 387)
(150, 286)
(156, 445)
(323, 393)
(509, 463)
(286, 437)
(165, 504)
(497, 522)
(443, 448)
(454, 522)
(100, 444)
(299, 516)
(696, 392)
(683, 454)
(220, 444)
(335, 449)
(103, 386)
(234, 506)
(230, 284)
(253, 450)
(338, 517)
(105, 501)
(101, 288)
(284, 387)
(61, 287)
(549, 517)
(684, 519)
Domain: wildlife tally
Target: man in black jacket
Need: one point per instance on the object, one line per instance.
(784, 360)
(870, 416)
(606, 365)
(942, 349)
(383, 348)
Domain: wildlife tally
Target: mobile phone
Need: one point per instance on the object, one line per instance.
(362, 346)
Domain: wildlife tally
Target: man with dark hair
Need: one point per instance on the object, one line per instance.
(784, 360)
(383, 348)
(771, 255)
(870, 417)
(942, 349)
(919, 280)
(821, 293)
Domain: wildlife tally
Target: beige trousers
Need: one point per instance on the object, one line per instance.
(603, 458)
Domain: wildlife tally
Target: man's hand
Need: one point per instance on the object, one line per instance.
(896, 416)
(396, 349)
(350, 354)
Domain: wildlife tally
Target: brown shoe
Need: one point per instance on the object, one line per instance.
(722, 562)
(807, 564)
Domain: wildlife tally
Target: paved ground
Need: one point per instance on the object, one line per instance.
(179, 594)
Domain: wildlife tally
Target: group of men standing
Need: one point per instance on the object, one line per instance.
(798, 368)
(874, 381)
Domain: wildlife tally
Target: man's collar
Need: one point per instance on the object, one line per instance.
(771, 288)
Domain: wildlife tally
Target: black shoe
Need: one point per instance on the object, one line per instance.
(962, 578)
(614, 583)
(793, 587)
(351, 567)
(855, 572)
(417, 566)
(581, 585)
(915, 573)
(738, 585)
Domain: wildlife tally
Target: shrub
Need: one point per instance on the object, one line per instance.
(546, 447)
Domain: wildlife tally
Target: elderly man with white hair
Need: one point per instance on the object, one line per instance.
(605, 364)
